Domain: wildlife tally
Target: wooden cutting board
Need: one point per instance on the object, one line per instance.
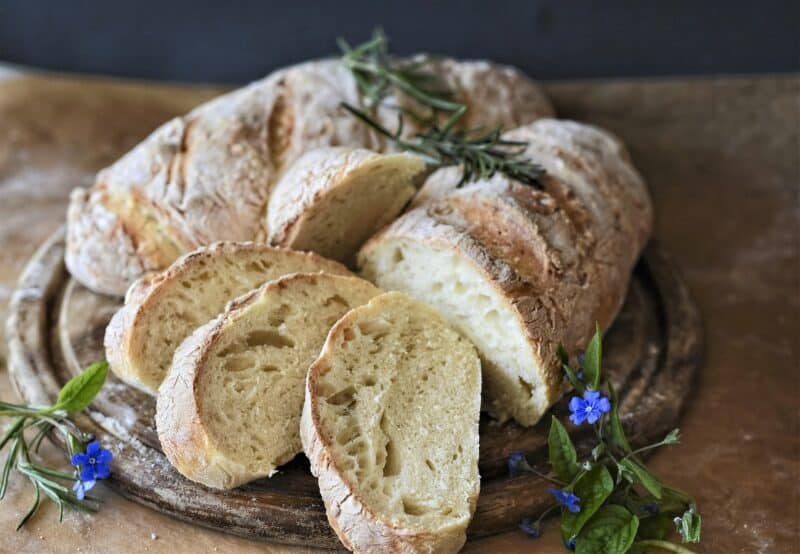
(56, 327)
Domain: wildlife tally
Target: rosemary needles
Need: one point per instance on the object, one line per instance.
(481, 154)
(38, 422)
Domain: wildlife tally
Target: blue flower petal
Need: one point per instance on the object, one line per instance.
(591, 396)
(514, 461)
(87, 473)
(604, 405)
(570, 544)
(80, 491)
(576, 403)
(79, 459)
(101, 471)
(104, 457)
(531, 528)
(93, 449)
(577, 418)
(89, 485)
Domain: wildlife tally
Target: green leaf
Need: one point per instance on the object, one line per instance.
(689, 526)
(656, 527)
(78, 392)
(34, 507)
(592, 488)
(12, 431)
(649, 481)
(618, 439)
(9, 464)
(563, 457)
(611, 531)
(598, 451)
(675, 501)
(592, 361)
(572, 376)
(674, 437)
(647, 546)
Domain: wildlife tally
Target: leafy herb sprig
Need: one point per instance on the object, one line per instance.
(481, 154)
(609, 502)
(90, 460)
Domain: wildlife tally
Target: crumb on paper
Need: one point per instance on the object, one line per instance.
(153, 536)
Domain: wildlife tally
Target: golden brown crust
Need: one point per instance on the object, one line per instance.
(358, 526)
(182, 431)
(128, 329)
(207, 176)
(561, 256)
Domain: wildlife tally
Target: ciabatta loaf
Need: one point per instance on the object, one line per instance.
(519, 270)
(333, 199)
(390, 424)
(163, 309)
(207, 176)
(229, 410)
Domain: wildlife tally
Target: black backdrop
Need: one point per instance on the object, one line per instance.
(236, 41)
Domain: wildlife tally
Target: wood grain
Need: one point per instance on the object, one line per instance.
(56, 327)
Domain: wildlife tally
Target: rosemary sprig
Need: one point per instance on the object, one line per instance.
(481, 154)
(74, 397)
(377, 74)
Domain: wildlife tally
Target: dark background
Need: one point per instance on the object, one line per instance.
(235, 41)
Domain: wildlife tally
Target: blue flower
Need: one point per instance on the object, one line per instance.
(570, 544)
(93, 464)
(581, 358)
(567, 499)
(530, 527)
(589, 408)
(517, 463)
(579, 375)
(650, 508)
(82, 487)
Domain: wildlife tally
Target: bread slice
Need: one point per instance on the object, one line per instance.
(161, 310)
(333, 199)
(390, 424)
(517, 270)
(229, 410)
(445, 266)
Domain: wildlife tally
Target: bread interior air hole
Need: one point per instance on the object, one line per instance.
(401, 435)
(255, 374)
(447, 280)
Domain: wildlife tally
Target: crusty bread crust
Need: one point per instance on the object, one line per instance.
(184, 435)
(564, 268)
(318, 203)
(359, 527)
(127, 330)
(207, 176)
(532, 312)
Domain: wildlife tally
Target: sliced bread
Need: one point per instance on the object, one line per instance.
(332, 200)
(446, 266)
(229, 410)
(161, 310)
(390, 424)
(517, 270)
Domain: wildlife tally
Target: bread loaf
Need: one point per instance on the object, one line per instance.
(161, 310)
(229, 410)
(390, 424)
(517, 270)
(333, 199)
(207, 176)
